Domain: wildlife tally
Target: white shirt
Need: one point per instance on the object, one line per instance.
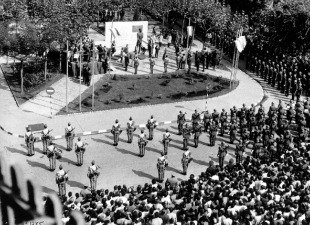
(69, 128)
(60, 173)
(45, 131)
(28, 134)
(167, 135)
(79, 143)
(142, 135)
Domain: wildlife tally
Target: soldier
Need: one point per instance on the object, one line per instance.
(152, 64)
(181, 120)
(186, 135)
(186, 159)
(93, 174)
(240, 149)
(197, 60)
(46, 138)
(142, 142)
(166, 61)
(136, 64)
(116, 131)
(161, 166)
(215, 117)
(207, 118)
(222, 153)
(189, 63)
(79, 151)
(61, 180)
(213, 133)
(195, 117)
(69, 134)
(53, 153)
(223, 119)
(166, 140)
(151, 125)
(30, 139)
(233, 131)
(266, 135)
(130, 129)
(196, 132)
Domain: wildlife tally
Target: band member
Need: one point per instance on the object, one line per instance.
(46, 138)
(151, 125)
(222, 153)
(30, 139)
(79, 151)
(142, 142)
(69, 134)
(61, 180)
(197, 132)
(186, 159)
(166, 140)
(181, 120)
(186, 135)
(130, 129)
(116, 131)
(53, 153)
(93, 174)
(161, 166)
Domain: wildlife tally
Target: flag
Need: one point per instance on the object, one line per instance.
(240, 43)
(115, 32)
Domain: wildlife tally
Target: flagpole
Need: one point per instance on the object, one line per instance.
(80, 75)
(233, 63)
(189, 23)
(110, 54)
(93, 76)
(67, 74)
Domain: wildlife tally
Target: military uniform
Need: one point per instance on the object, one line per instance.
(161, 166)
(186, 135)
(93, 174)
(240, 149)
(195, 117)
(152, 64)
(53, 153)
(46, 138)
(116, 131)
(216, 117)
(207, 118)
(130, 129)
(233, 132)
(223, 119)
(186, 158)
(222, 153)
(30, 139)
(213, 133)
(142, 142)
(181, 120)
(197, 133)
(79, 151)
(69, 134)
(61, 180)
(266, 136)
(151, 125)
(166, 140)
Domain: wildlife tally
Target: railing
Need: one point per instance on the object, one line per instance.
(21, 200)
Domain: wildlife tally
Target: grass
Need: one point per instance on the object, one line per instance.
(123, 91)
(13, 80)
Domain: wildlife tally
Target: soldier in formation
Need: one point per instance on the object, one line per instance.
(79, 151)
(69, 134)
(142, 142)
(116, 131)
(213, 133)
(61, 180)
(186, 159)
(222, 153)
(181, 120)
(162, 163)
(53, 153)
(93, 173)
(166, 140)
(46, 138)
(130, 129)
(29, 140)
(186, 136)
(151, 125)
(197, 129)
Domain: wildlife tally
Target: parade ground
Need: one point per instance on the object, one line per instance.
(119, 165)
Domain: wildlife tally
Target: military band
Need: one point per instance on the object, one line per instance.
(186, 159)
(79, 151)
(166, 140)
(93, 173)
(151, 125)
(130, 129)
(116, 131)
(61, 180)
(142, 142)
(29, 140)
(69, 134)
(162, 163)
(46, 138)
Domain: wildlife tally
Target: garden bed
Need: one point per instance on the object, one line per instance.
(123, 91)
(34, 82)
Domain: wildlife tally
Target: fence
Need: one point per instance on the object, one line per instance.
(21, 200)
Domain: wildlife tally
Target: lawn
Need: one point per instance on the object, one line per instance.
(123, 91)
(12, 76)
